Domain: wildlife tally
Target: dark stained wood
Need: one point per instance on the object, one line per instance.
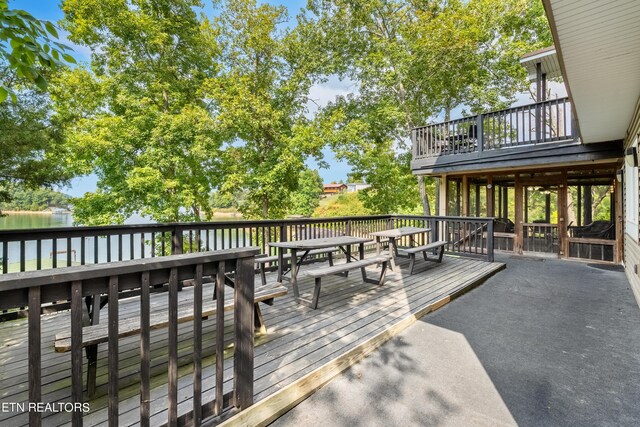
(173, 349)
(465, 195)
(113, 351)
(197, 346)
(490, 197)
(219, 294)
(76, 349)
(563, 214)
(35, 355)
(243, 319)
(519, 217)
(145, 357)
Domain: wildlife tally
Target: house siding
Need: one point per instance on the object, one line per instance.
(631, 245)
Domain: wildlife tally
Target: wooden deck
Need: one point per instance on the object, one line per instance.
(352, 319)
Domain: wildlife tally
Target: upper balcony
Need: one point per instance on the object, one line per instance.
(542, 133)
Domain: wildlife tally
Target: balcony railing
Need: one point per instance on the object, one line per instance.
(547, 121)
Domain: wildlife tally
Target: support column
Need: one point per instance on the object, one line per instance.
(490, 197)
(437, 196)
(505, 202)
(477, 200)
(458, 210)
(499, 190)
(526, 204)
(579, 206)
(587, 206)
(465, 195)
(519, 239)
(442, 196)
(562, 217)
(547, 207)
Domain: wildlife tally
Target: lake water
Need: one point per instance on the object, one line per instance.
(30, 221)
(35, 220)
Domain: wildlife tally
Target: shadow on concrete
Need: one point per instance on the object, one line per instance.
(544, 342)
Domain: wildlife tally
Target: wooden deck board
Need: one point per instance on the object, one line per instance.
(299, 340)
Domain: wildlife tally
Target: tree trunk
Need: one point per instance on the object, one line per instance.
(426, 209)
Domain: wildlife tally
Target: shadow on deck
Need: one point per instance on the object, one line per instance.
(302, 350)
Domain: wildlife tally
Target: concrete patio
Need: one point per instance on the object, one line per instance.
(544, 342)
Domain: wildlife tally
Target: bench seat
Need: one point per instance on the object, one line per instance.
(263, 260)
(321, 272)
(440, 244)
(95, 334)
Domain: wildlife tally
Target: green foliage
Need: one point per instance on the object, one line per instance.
(38, 199)
(29, 47)
(260, 98)
(306, 198)
(139, 119)
(412, 61)
(346, 204)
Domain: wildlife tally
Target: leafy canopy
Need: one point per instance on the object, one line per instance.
(28, 45)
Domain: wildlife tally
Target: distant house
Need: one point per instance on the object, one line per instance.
(334, 188)
(356, 186)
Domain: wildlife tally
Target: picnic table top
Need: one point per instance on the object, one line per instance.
(323, 242)
(399, 232)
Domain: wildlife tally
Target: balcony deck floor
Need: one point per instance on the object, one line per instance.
(299, 340)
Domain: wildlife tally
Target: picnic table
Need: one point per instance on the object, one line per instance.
(398, 233)
(305, 246)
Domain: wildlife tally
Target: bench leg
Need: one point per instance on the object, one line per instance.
(263, 274)
(331, 259)
(380, 281)
(424, 255)
(92, 358)
(258, 320)
(316, 293)
(412, 262)
(441, 254)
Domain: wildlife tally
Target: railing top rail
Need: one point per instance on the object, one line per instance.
(504, 110)
(13, 281)
(150, 228)
(454, 218)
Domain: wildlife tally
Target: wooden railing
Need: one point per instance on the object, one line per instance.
(540, 237)
(32, 289)
(546, 121)
(26, 250)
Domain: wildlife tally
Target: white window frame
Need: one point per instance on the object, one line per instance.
(631, 197)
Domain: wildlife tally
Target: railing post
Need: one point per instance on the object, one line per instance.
(480, 131)
(244, 332)
(176, 241)
(348, 228)
(414, 143)
(490, 257)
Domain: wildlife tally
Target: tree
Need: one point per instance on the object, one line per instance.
(260, 101)
(138, 119)
(28, 47)
(306, 198)
(415, 60)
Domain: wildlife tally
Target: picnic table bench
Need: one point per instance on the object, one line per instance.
(93, 335)
(321, 272)
(263, 260)
(411, 252)
(305, 246)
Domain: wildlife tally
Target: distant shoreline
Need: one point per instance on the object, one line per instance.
(34, 212)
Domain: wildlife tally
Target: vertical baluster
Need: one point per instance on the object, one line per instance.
(54, 253)
(96, 241)
(38, 254)
(197, 346)
(145, 350)
(142, 246)
(219, 288)
(23, 264)
(35, 356)
(244, 333)
(120, 247)
(83, 250)
(173, 349)
(113, 351)
(215, 239)
(76, 350)
(153, 244)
